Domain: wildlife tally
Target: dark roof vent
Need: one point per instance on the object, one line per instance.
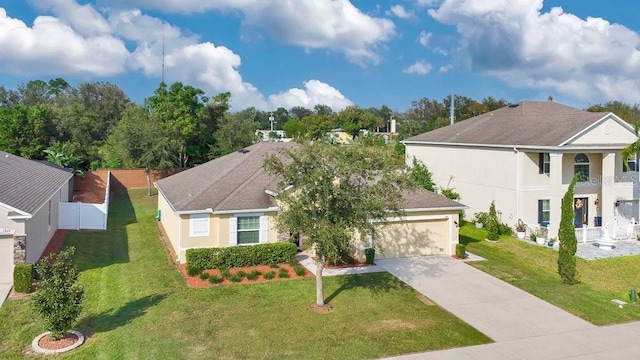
(243, 151)
(514, 105)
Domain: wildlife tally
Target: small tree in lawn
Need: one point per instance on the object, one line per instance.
(567, 236)
(335, 192)
(493, 223)
(59, 297)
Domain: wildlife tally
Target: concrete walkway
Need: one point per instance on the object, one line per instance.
(4, 292)
(523, 326)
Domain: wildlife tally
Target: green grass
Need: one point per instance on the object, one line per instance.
(138, 307)
(534, 269)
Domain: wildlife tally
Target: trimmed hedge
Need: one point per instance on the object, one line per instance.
(22, 277)
(240, 256)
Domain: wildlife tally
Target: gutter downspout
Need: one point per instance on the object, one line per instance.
(517, 183)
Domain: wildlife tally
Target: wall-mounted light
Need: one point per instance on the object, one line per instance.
(21, 244)
(617, 203)
(597, 202)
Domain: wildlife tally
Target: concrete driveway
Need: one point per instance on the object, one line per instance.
(499, 310)
(523, 326)
(4, 292)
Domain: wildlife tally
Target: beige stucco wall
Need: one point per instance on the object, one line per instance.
(609, 131)
(38, 230)
(170, 222)
(218, 232)
(480, 175)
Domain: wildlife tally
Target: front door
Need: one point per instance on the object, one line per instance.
(581, 214)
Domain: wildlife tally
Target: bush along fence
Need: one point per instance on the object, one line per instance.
(239, 256)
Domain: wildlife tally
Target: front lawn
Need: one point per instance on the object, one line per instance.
(138, 307)
(534, 269)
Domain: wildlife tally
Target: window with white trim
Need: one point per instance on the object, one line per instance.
(631, 164)
(544, 163)
(581, 167)
(248, 230)
(544, 211)
(199, 225)
(49, 214)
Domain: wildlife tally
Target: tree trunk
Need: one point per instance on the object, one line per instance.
(319, 292)
(148, 183)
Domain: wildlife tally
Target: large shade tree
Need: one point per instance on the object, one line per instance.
(330, 193)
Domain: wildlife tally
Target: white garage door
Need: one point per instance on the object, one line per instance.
(413, 238)
(6, 259)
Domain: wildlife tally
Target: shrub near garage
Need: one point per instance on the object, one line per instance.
(240, 256)
(22, 277)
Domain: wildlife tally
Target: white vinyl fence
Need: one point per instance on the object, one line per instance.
(81, 216)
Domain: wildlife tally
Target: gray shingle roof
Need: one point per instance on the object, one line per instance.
(530, 123)
(238, 182)
(423, 199)
(232, 182)
(27, 184)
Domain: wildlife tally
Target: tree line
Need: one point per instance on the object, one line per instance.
(96, 125)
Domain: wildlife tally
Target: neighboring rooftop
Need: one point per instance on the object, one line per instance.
(26, 184)
(527, 123)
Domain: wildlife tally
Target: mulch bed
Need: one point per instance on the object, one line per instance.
(354, 265)
(196, 282)
(55, 244)
(48, 343)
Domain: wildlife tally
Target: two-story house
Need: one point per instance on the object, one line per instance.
(523, 157)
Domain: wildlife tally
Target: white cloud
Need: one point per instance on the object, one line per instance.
(400, 11)
(588, 59)
(68, 45)
(52, 46)
(424, 38)
(420, 67)
(445, 68)
(335, 25)
(315, 92)
(424, 3)
(84, 19)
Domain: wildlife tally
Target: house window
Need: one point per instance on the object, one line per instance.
(631, 164)
(544, 163)
(198, 225)
(248, 230)
(544, 211)
(581, 167)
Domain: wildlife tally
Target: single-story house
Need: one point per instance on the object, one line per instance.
(229, 201)
(523, 156)
(30, 192)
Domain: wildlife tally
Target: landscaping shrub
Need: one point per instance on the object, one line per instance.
(241, 274)
(299, 270)
(204, 276)
(241, 256)
(283, 273)
(461, 251)
(253, 275)
(225, 273)
(22, 277)
(369, 254)
(235, 278)
(59, 298)
(191, 271)
(215, 279)
(269, 275)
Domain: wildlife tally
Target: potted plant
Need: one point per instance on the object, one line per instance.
(480, 219)
(521, 228)
(541, 235)
(551, 242)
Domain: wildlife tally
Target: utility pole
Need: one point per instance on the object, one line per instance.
(272, 120)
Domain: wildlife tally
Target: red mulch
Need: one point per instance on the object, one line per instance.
(326, 308)
(354, 265)
(55, 244)
(46, 342)
(196, 282)
(457, 258)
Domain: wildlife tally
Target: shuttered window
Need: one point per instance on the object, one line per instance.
(198, 225)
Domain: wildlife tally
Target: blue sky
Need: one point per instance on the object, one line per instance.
(271, 53)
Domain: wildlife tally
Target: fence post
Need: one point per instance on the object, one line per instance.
(584, 233)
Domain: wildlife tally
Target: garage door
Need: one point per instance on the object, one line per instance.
(413, 238)
(6, 259)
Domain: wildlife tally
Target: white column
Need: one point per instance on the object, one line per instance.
(556, 191)
(607, 202)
